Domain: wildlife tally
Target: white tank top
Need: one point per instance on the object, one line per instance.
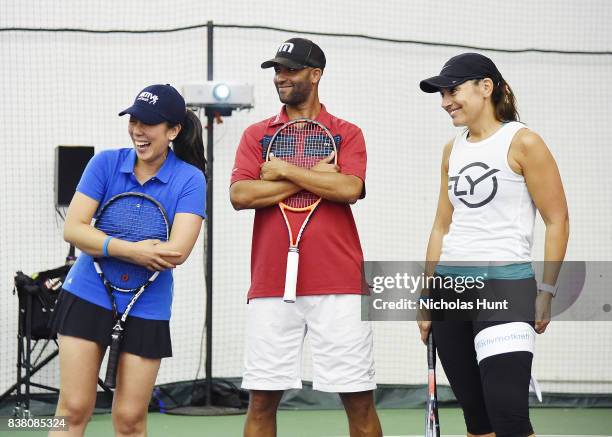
(494, 214)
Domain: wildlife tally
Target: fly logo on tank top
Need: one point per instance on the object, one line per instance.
(475, 185)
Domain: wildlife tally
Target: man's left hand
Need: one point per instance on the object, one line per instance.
(273, 170)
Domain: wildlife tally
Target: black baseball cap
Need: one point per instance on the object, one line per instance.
(157, 103)
(297, 53)
(461, 68)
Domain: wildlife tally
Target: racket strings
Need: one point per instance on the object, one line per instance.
(302, 144)
(131, 218)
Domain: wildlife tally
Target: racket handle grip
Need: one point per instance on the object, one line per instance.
(113, 361)
(293, 258)
(431, 351)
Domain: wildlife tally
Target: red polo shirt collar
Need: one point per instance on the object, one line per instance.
(281, 118)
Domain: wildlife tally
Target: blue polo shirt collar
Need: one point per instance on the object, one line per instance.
(163, 174)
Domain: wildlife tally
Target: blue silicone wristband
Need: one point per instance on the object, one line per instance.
(105, 246)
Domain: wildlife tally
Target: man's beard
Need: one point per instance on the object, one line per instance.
(298, 95)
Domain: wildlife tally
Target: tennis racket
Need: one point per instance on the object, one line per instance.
(303, 143)
(432, 423)
(131, 217)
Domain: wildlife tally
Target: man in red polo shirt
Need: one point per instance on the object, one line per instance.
(329, 280)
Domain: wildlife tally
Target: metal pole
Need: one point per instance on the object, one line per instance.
(209, 223)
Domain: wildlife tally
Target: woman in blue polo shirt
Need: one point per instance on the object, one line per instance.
(494, 175)
(83, 316)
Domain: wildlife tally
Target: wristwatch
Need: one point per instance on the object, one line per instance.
(552, 289)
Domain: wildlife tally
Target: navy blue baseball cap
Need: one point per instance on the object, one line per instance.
(158, 103)
(461, 68)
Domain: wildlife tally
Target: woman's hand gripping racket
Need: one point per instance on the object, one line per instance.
(302, 143)
(131, 217)
(432, 424)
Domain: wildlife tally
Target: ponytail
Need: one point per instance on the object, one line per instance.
(188, 145)
(504, 102)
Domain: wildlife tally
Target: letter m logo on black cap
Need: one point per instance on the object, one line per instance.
(286, 47)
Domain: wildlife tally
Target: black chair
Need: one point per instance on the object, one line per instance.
(37, 297)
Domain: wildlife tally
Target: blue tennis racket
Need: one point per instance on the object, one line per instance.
(130, 217)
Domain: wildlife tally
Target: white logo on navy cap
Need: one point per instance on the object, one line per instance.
(286, 47)
(148, 97)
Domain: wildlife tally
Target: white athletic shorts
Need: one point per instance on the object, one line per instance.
(341, 344)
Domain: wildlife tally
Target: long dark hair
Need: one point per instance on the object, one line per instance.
(188, 145)
(504, 102)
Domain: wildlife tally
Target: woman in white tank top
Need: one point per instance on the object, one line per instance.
(494, 175)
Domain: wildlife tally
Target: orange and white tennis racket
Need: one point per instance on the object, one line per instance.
(303, 143)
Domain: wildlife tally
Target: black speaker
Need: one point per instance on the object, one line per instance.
(70, 161)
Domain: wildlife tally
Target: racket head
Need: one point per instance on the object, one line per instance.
(302, 142)
(131, 217)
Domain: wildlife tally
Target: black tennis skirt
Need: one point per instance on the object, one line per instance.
(77, 317)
